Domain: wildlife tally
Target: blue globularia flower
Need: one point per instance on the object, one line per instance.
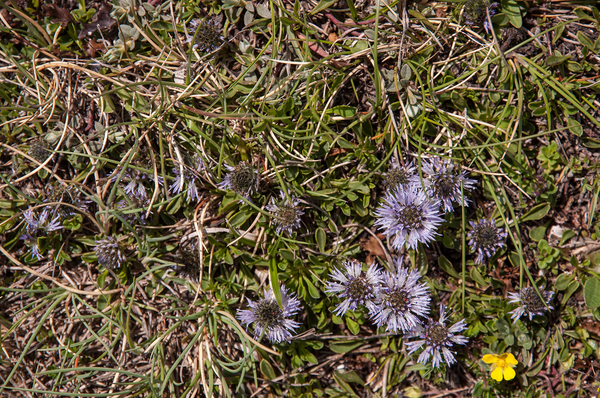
(286, 215)
(268, 317)
(109, 253)
(438, 339)
(133, 209)
(190, 175)
(31, 241)
(443, 182)
(136, 180)
(40, 223)
(36, 225)
(354, 286)
(485, 238)
(188, 259)
(475, 13)
(530, 303)
(205, 34)
(400, 176)
(408, 216)
(402, 300)
(65, 194)
(242, 179)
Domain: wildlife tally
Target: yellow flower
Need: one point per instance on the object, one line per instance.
(502, 365)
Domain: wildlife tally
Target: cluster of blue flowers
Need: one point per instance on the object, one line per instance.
(399, 302)
(412, 207)
(244, 180)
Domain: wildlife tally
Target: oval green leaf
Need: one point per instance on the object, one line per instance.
(591, 293)
(536, 213)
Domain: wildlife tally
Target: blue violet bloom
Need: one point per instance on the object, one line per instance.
(205, 34)
(438, 340)
(485, 238)
(285, 215)
(109, 253)
(190, 176)
(401, 176)
(408, 216)
(37, 225)
(530, 303)
(443, 183)
(271, 319)
(135, 182)
(402, 300)
(242, 179)
(355, 286)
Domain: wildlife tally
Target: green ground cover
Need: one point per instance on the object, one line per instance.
(299, 198)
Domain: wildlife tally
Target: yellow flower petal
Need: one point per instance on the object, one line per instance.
(490, 358)
(497, 374)
(511, 359)
(509, 373)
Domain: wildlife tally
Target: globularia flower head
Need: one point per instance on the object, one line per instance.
(109, 253)
(36, 225)
(133, 209)
(475, 13)
(402, 300)
(355, 286)
(242, 179)
(189, 260)
(270, 318)
(40, 150)
(400, 176)
(190, 175)
(205, 34)
(443, 182)
(31, 241)
(408, 216)
(438, 340)
(286, 215)
(485, 238)
(530, 303)
(136, 180)
(40, 223)
(64, 193)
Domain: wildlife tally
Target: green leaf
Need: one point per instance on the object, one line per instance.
(345, 347)
(343, 110)
(554, 60)
(538, 233)
(73, 223)
(574, 127)
(274, 278)
(581, 14)
(562, 282)
(321, 238)
(536, 213)
(342, 383)
(351, 377)
(513, 12)
(323, 4)
(445, 264)
(584, 40)
(572, 288)
(477, 277)
(567, 234)
(590, 143)
(267, 369)
(591, 292)
(352, 325)
(312, 290)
